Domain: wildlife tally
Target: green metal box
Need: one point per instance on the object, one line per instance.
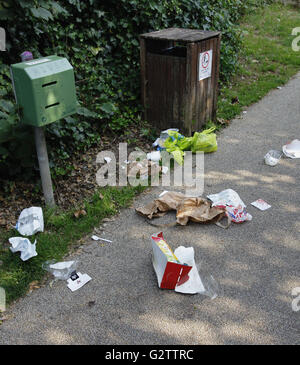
(44, 90)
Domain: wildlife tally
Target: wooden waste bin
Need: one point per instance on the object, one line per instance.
(180, 72)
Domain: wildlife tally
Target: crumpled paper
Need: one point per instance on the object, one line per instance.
(30, 221)
(23, 245)
(196, 209)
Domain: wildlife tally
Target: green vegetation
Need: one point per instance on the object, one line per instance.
(101, 41)
(267, 59)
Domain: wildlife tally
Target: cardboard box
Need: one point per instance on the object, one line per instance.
(169, 270)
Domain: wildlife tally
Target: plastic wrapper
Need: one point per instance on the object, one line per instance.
(232, 203)
(272, 157)
(30, 221)
(205, 141)
(292, 149)
(23, 245)
(60, 270)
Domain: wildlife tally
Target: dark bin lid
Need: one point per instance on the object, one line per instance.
(181, 35)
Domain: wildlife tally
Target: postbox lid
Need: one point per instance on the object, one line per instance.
(181, 35)
(42, 67)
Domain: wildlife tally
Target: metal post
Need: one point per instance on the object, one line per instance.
(42, 155)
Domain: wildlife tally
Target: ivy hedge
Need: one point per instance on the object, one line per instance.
(101, 41)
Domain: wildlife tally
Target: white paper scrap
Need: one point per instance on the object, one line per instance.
(261, 204)
(79, 282)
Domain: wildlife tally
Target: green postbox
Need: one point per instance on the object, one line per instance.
(44, 90)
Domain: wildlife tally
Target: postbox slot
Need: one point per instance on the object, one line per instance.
(51, 105)
(49, 83)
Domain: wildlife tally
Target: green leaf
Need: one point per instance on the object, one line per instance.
(6, 105)
(108, 108)
(41, 13)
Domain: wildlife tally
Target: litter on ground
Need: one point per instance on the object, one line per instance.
(230, 201)
(196, 209)
(292, 149)
(272, 157)
(23, 245)
(96, 238)
(177, 270)
(30, 221)
(261, 204)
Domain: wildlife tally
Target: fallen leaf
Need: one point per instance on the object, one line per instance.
(79, 213)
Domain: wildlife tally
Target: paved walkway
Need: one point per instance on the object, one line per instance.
(257, 263)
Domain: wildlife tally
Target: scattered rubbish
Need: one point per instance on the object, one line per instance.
(261, 204)
(272, 157)
(80, 213)
(163, 193)
(60, 270)
(91, 303)
(143, 169)
(279, 87)
(27, 249)
(107, 159)
(77, 280)
(230, 201)
(169, 270)
(244, 112)
(176, 144)
(196, 209)
(159, 143)
(178, 270)
(96, 238)
(164, 169)
(154, 156)
(30, 221)
(292, 149)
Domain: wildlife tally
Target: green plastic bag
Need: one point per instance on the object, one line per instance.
(205, 141)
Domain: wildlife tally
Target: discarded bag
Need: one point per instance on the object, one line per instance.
(27, 249)
(196, 209)
(30, 221)
(176, 144)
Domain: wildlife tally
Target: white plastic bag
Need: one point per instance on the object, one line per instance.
(30, 221)
(23, 245)
(194, 284)
(198, 282)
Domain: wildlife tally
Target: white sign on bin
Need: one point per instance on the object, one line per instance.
(205, 61)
